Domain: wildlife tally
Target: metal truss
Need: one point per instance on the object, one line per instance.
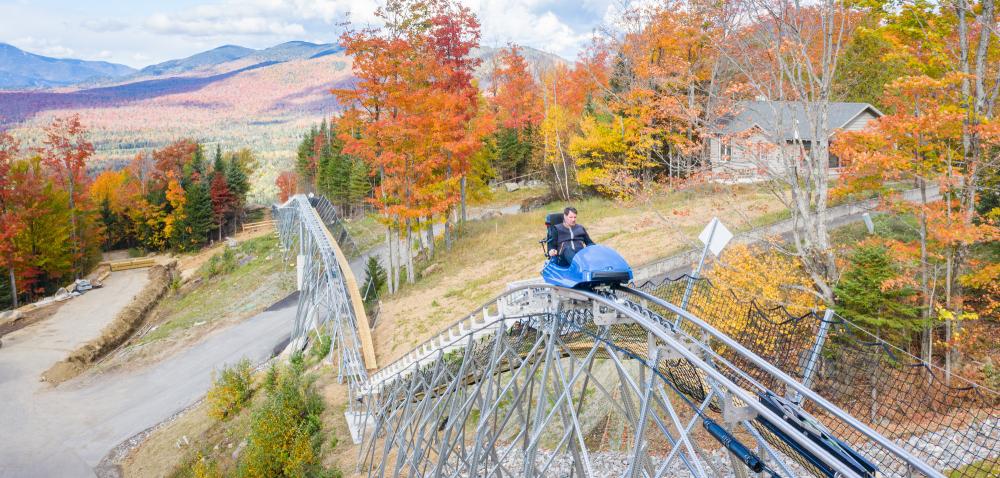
(548, 381)
(505, 392)
(324, 305)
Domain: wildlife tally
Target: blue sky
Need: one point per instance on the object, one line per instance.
(138, 33)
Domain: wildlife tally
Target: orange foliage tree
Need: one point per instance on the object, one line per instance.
(415, 115)
(287, 183)
(922, 143)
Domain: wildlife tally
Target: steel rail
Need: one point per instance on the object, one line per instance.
(660, 330)
(794, 384)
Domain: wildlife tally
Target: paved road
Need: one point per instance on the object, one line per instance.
(66, 431)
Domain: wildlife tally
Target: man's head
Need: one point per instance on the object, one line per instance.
(569, 216)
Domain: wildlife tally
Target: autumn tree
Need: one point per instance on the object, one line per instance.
(66, 151)
(222, 199)
(923, 143)
(789, 54)
(415, 116)
(287, 183)
(517, 106)
(10, 223)
(43, 256)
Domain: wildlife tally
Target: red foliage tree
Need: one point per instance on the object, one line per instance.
(223, 200)
(516, 99)
(172, 158)
(10, 223)
(65, 152)
(287, 183)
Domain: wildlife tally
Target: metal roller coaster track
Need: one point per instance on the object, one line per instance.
(548, 381)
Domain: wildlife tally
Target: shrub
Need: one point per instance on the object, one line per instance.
(221, 264)
(204, 468)
(321, 346)
(231, 390)
(285, 436)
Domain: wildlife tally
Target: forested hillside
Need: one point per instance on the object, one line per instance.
(55, 218)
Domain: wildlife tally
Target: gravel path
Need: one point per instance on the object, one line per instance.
(66, 431)
(609, 464)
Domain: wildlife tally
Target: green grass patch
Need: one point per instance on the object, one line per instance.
(989, 468)
(233, 283)
(366, 232)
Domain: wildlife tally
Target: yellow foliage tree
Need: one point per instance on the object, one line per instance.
(767, 276)
(611, 153)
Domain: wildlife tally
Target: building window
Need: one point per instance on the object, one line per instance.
(727, 150)
(834, 161)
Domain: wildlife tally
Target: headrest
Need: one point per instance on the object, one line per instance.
(553, 218)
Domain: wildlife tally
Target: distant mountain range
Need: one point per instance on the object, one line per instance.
(233, 96)
(20, 69)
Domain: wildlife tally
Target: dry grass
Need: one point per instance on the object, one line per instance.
(490, 253)
(165, 449)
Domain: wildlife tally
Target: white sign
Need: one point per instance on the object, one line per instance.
(715, 236)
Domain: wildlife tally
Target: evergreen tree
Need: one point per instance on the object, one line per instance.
(237, 180)
(375, 281)
(305, 154)
(217, 164)
(865, 295)
(193, 229)
(194, 170)
(360, 186)
(5, 296)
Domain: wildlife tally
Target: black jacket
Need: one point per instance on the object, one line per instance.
(561, 237)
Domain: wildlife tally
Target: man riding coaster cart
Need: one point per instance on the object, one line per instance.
(574, 260)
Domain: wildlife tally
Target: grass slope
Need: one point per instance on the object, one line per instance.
(492, 252)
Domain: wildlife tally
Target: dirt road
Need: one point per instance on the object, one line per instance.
(65, 431)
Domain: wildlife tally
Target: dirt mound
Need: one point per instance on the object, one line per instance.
(119, 330)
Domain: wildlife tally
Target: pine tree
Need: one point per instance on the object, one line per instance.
(360, 186)
(864, 294)
(217, 164)
(193, 228)
(239, 185)
(375, 281)
(194, 170)
(303, 163)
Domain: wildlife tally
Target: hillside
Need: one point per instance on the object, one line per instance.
(490, 253)
(22, 70)
(265, 107)
(237, 97)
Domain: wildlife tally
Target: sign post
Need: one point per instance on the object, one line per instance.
(715, 236)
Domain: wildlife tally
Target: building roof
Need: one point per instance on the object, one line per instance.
(794, 122)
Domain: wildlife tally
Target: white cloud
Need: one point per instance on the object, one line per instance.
(213, 26)
(102, 25)
(43, 46)
(530, 23)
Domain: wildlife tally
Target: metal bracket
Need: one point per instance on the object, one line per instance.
(604, 315)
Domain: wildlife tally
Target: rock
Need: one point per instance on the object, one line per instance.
(512, 186)
(239, 449)
(429, 270)
(534, 203)
(10, 315)
(231, 243)
(491, 215)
